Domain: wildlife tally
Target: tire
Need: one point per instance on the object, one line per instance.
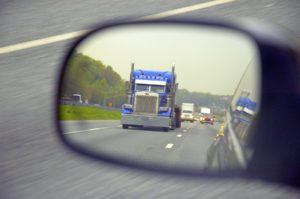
(173, 128)
(165, 129)
(177, 122)
(125, 126)
(177, 117)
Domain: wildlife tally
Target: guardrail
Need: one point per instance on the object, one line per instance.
(73, 103)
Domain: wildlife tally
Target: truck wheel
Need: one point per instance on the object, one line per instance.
(178, 119)
(166, 129)
(177, 122)
(173, 125)
(124, 126)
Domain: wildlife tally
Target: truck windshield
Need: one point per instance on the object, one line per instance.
(186, 111)
(142, 87)
(157, 88)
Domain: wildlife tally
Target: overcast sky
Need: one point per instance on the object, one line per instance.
(206, 59)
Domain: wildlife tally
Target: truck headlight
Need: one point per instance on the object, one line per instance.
(127, 106)
(239, 108)
(163, 109)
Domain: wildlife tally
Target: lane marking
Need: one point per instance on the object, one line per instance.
(184, 130)
(179, 135)
(41, 42)
(186, 9)
(88, 130)
(71, 35)
(269, 5)
(169, 146)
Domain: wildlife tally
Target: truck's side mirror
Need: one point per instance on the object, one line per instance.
(95, 130)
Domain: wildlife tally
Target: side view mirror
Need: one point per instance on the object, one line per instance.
(226, 127)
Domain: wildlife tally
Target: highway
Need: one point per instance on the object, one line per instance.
(184, 147)
(34, 163)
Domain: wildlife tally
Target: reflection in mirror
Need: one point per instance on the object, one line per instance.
(174, 95)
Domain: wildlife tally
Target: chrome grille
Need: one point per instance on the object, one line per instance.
(146, 103)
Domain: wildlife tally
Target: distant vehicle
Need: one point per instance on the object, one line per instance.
(197, 116)
(205, 110)
(188, 112)
(206, 116)
(151, 100)
(76, 98)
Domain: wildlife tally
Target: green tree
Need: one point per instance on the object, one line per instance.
(93, 80)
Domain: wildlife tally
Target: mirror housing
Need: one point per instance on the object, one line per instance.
(279, 58)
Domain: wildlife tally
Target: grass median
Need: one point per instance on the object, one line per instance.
(69, 112)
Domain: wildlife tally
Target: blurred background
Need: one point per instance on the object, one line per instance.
(34, 164)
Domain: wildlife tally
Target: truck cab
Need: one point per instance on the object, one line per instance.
(151, 100)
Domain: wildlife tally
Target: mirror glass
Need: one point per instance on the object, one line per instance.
(173, 95)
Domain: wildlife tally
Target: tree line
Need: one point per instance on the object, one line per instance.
(202, 99)
(94, 81)
(100, 84)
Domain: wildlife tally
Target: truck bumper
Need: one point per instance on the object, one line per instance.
(206, 121)
(145, 120)
(187, 119)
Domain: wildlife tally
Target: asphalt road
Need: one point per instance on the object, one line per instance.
(184, 147)
(34, 164)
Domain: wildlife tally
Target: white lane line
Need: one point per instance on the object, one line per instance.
(169, 146)
(179, 135)
(88, 130)
(186, 9)
(184, 130)
(40, 42)
(71, 35)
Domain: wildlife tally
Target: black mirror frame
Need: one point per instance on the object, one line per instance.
(280, 77)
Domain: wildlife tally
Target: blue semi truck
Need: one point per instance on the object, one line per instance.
(151, 100)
